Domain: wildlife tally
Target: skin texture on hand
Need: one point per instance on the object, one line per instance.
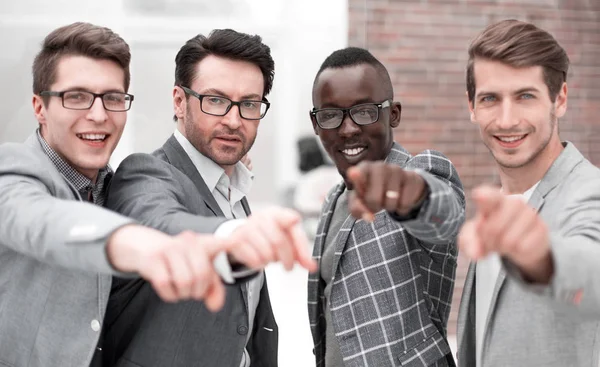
(379, 186)
(271, 235)
(178, 268)
(508, 226)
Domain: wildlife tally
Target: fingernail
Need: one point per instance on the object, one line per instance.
(368, 217)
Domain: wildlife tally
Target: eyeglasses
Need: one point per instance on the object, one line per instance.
(83, 100)
(361, 114)
(220, 106)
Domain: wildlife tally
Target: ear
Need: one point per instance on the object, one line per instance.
(561, 101)
(179, 103)
(313, 119)
(39, 109)
(471, 108)
(395, 114)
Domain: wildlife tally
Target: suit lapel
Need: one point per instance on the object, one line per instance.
(179, 158)
(341, 240)
(466, 320)
(314, 279)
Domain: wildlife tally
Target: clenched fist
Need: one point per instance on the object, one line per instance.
(378, 185)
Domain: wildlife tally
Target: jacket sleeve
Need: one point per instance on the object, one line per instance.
(575, 245)
(36, 223)
(443, 212)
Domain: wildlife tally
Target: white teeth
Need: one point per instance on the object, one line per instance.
(92, 136)
(353, 152)
(510, 139)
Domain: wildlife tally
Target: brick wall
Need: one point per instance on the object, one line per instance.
(424, 45)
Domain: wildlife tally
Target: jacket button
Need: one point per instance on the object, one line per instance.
(95, 325)
(242, 330)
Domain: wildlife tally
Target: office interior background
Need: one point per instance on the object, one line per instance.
(423, 43)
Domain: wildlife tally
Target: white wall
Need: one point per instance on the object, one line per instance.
(301, 33)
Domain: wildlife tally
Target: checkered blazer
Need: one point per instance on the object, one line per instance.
(393, 282)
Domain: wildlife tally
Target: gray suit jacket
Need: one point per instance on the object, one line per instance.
(165, 191)
(54, 274)
(556, 325)
(393, 281)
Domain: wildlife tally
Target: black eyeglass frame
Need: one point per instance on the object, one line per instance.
(61, 94)
(346, 111)
(231, 104)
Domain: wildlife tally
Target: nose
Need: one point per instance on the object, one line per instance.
(508, 116)
(97, 113)
(348, 127)
(232, 119)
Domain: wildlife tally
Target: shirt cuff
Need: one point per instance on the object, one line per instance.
(223, 267)
(220, 262)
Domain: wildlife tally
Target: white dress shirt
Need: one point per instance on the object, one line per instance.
(228, 192)
(487, 271)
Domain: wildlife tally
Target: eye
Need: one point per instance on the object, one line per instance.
(526, 96)
(114, 97)
(488, 99)
(75, 96)
(250, 105)
(216, 100)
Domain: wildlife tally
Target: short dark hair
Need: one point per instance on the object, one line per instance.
(352, 56)
(519, 44)
(81, 39)
(225, 43)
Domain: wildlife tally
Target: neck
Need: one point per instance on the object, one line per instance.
(520, 179)
(92, 174)
(229, 170)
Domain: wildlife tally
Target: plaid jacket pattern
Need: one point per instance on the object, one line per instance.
(393, 283)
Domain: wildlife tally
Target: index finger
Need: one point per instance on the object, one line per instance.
(487, 199)
(359, 177)
(214, 245)
(300, 244)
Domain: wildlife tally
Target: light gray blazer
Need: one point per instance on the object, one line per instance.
(54, 275)
(557, 325)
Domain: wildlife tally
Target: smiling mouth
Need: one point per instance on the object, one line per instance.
(93, 137)
(352, 152)
(510, 139)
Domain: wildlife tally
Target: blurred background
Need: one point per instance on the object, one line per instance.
(423, 43)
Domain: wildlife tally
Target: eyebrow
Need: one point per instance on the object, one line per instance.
(84, 89)
(218, 92)
(354, 103)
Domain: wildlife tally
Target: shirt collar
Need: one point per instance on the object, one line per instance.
(213, 174)
(81, 183)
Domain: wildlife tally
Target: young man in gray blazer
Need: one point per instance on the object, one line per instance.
(386, 240)
(58, 247)
(221, 81)
(532, 293)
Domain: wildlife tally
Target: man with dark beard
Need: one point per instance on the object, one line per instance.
(219, 99)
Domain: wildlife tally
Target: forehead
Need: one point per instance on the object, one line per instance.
(346, 86)
(234, 77)
(495, 76)
(91, 74)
